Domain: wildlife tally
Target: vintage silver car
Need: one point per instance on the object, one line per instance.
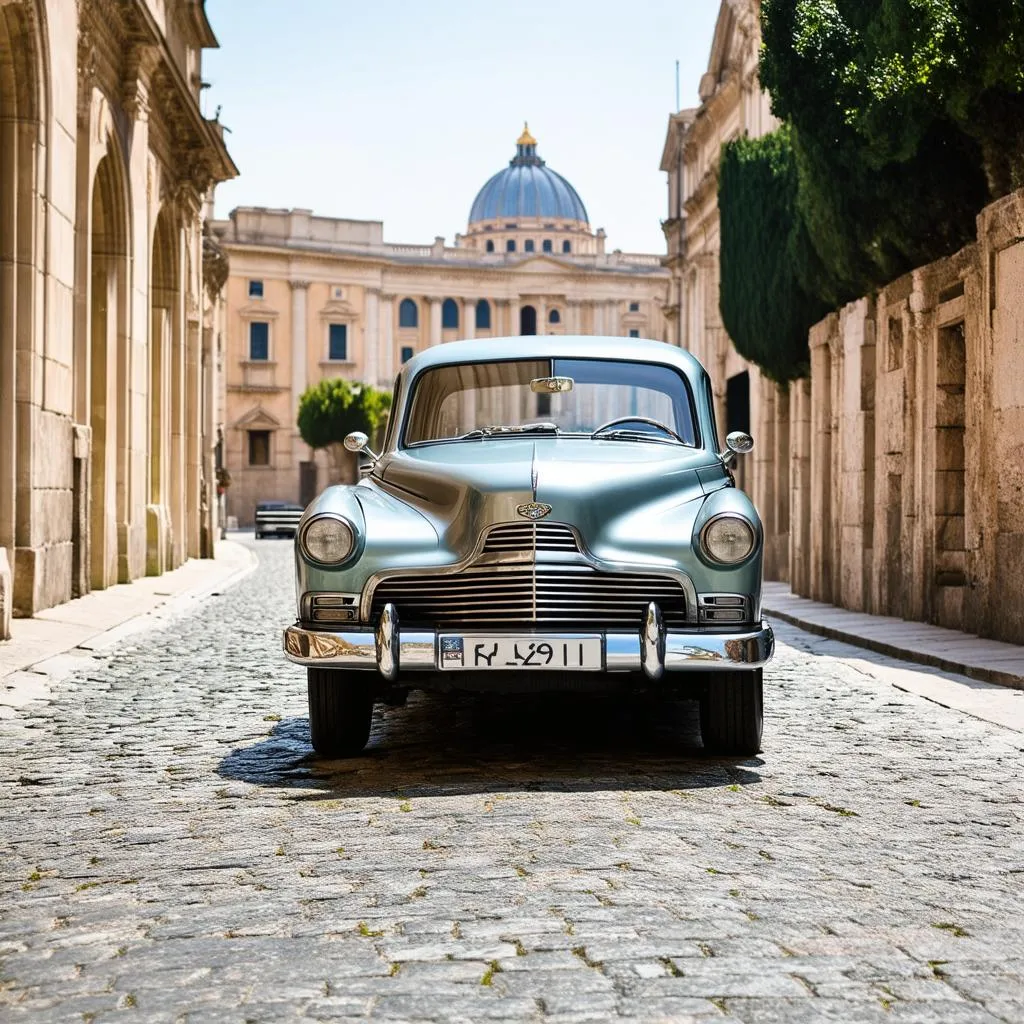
(546, 513)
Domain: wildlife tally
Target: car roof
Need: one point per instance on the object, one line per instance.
(551, 346)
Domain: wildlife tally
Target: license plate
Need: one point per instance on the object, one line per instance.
(480, 653)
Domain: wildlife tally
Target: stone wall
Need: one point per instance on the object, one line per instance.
(906, 460)
(101, 419)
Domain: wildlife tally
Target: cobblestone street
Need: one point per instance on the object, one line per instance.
(170, 850)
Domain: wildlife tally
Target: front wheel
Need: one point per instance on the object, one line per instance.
(340, 711)
(732, 713)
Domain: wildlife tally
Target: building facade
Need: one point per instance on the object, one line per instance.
(733, 104)
(108, 309)
(311, 297)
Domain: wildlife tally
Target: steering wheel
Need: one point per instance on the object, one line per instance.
(637, 419)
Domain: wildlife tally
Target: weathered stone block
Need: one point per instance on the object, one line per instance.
(949, 448)
(949, 408)
(949, 533)
(949, 493)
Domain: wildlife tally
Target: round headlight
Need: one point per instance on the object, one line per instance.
(728, 539)
(328, 540)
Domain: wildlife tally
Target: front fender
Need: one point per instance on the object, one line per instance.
(390, 532)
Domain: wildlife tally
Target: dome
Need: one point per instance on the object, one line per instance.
(527, 188)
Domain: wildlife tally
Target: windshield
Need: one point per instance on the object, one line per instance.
(484, 399)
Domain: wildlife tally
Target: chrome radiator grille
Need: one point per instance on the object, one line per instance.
(540, 596)
(530, 537)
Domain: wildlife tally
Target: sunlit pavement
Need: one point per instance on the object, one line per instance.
(171, 851)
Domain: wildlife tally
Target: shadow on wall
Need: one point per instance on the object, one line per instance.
(477, 743)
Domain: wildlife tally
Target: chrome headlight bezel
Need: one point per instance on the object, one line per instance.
(710, 555)
(342, 521)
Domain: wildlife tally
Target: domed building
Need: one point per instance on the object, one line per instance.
(311, 297)
(527, 207)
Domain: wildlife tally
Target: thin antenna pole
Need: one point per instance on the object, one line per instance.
(677, 85)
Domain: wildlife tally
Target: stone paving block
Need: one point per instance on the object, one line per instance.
(167, 836)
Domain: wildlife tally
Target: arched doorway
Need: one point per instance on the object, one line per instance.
(165, 317)
(22, 164)
(527, 320)
(108, 505)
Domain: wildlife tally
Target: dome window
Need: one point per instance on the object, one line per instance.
(554, 317)
(567, 246)
(490, 245)
(510, 245)
(408, 314)
(546, 245)
(483, 315)
(449, 314)
(528, 246)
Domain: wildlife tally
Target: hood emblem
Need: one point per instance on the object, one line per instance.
(533, 510)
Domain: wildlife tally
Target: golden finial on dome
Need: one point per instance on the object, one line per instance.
(526, 139)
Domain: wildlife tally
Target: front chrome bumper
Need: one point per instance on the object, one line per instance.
(652, 650)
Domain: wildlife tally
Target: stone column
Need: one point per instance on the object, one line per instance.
(542, 316)
(371, 338)
(598, 309)
(387, 365)
(572, 316)
(513, 317)
(435, 321)
(300, 357)
(613, 325)
(469, 318)
(300, 352)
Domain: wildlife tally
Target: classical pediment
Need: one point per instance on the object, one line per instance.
(734, 35)
(258, 311)
(544, 265)
(337, 308)
(257, 419)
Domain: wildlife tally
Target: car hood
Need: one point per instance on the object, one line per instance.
(600, 487)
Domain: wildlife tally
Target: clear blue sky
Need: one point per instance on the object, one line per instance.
(399, 110)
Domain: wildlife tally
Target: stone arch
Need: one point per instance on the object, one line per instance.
(23, 105)
(165, 326)
(106, 356)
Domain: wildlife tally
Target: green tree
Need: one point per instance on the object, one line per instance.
(907, 116)
(765, 308)
(332, 409)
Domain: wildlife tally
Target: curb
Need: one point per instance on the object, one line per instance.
(985, 675)
(31, 682)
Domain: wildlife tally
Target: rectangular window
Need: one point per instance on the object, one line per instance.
(259, 340)
(337, 342)
(407, 353)
(634, 307)
(255, 289)
(259, 447)
(634, 333)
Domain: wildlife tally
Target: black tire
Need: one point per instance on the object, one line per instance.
(732, 713)
(340, 711)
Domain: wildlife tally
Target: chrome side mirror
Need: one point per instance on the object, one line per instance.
(357, 441)
(737, 443)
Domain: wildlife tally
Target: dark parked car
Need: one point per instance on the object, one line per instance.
(277, 518)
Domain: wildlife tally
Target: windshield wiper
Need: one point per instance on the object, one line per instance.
(526, 428)
(635, 435)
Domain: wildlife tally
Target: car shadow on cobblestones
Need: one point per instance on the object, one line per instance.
(470, 743)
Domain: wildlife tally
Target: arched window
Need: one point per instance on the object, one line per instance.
(449, 314)
(527, 320)
(510, 245)
(546, 245)
(554, 317)
(483, 315)
(408, 314)
(566, 246)
(529, 245)
(490, 245)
